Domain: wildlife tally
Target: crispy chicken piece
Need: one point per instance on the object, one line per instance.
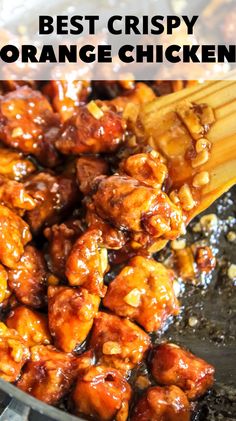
(92, 130)
(54, 195)
(13, 353)
(162, 404)
(14, 235)
(49, 374)
(153, 214)
(141, 94)
(28, 279)
(31, 326)
(60, 241)
(112, 238)
(143, 291)
(118, 342)
(102, 393)
(15, 196)
(148, 168)
(67, 95)
(87, 169)
(87, 263)
(14, 165)
(172, 365)
(28, 123)
(70, 313)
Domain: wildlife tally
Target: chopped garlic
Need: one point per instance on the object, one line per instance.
(201, 158)
(186, 198)
(103, 259)
(201, 179)
(133, 298)
(178, 244)
(95, 110)
(192, 321)
(209, 222)
(111, 348)
(17, 132)
(231, 236)
(232, 271)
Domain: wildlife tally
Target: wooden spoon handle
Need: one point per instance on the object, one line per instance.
(221, 96)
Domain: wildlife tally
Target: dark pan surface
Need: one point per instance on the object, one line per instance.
(214, 337)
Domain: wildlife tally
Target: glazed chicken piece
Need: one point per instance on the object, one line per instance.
(54, 196)
(31, 325)
(103, 394)
(139, 95)
(143, 291)
(112, 238)
(162, 404)
(172, 365)
(14, 165)
(28, 279)
(13, 239)
(27, 122)
(148, 168)
(87, 169)
(3, 284)
(95, 128)
(13, 353)
(14, 195)
(70, 313)
(118, 342)
(60, 241)
(67, 95)
(153, 214)
(87, 263)
(49, 374)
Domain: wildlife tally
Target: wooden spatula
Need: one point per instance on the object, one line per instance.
(158, 121)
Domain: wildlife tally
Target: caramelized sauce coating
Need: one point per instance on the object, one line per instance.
(87, 169)
(54, 195)
(162, 404)
(28, 123)
(102, 393)
(13, 353)
(147, 168)
(49, 374)
(15, 196)
(31, 325)
(3, 284)
(67, 95)
(112, 238)
(143, 291)
(84, 133)
(118, 342)
(70, 313)
(87, 263)
(28, 279)
(172, 365)
(141, 94)
(60, 241)
(12, 241)
(14, 165)
(153, 214)
(205, 259)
